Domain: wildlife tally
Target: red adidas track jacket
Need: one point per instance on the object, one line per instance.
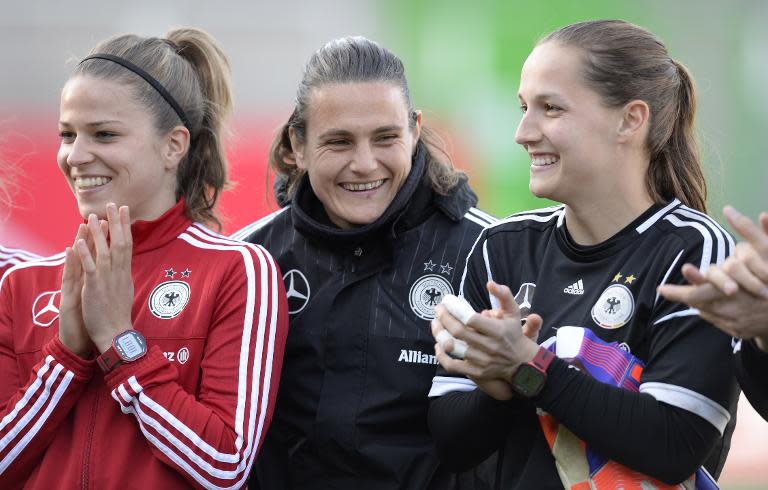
(192, 412)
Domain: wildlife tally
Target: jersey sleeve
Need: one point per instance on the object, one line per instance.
(212, 438)
(751, 365)
(32, 408)
(689, 360)
(473, 282)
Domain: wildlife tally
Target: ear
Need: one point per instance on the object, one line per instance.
(295, 157)
(416, 129)
(176, 147)
(634, 121)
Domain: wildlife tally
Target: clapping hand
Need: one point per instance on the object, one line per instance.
(496, 343)
(732, 296)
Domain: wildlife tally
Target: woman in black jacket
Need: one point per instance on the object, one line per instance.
(374, 231)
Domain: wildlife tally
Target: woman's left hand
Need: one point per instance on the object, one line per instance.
(108, 286)
(496, 344)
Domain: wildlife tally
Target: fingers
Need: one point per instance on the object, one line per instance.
(693, 275)
(86, 260)
(472, 335)
(756, 265)
(99, 241)
(748, 277)
(73, 270)
(748, 230)
(532, 326)
(764, 221)
(450, 364)
(71, 263)
(694, 295)
(125, 221)
(505, 298)
(119, 247)
(721, 280)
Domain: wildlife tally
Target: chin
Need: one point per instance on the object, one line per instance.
(88, 209)
(539, 191)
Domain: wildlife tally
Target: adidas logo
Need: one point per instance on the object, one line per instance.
(575, 288)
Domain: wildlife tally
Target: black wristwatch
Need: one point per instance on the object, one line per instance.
(530, 378)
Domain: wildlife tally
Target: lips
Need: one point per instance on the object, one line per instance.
(362, 186)
(544, 160)
(86, 183)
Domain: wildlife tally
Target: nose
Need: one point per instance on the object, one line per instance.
(79, 153)
(363, 160)
(527, 131)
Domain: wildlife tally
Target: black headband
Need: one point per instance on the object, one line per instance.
(150, 80)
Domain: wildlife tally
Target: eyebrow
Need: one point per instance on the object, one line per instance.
(94, 124)
(545, 95)
(343, 132)
(386, 129)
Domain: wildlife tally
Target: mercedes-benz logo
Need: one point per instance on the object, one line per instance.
(524, 297)
(45, 309)
(297, 290)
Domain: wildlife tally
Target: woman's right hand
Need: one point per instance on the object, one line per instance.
(734, 295)
(72, 331)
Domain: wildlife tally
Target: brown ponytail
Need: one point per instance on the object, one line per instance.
(192, 67)
(625, 62)
(203, 174)
(675, 169)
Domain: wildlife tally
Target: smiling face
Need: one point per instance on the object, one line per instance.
(358, 148)
(111, 151)
(570, 135)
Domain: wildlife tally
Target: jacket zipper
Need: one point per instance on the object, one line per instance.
(89, 438)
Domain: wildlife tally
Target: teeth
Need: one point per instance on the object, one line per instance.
(542, 161)
(363, 187)
(88, 182)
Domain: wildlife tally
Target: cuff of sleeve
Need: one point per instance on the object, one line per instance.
(559, 375)
(82, 368)
(153, 366)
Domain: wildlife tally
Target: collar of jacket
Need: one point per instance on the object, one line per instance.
(149, 235)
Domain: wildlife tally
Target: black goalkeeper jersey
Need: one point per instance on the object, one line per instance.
(687, 390)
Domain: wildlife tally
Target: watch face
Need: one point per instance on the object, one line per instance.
(528, 380)
(130, 345)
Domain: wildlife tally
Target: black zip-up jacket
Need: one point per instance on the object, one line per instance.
(359, 361)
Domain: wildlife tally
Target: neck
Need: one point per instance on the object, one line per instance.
(597, 221)
(606, 207)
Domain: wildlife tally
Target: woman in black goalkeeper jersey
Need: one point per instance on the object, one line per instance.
(608, 124)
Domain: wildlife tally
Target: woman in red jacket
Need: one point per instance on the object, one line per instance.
(148, 354)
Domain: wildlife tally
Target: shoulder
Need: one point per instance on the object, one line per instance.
(478, 218)
(32, 270)
(701, 236)
(224, 249)
(262, 224)
(13, 256)
(535, 220)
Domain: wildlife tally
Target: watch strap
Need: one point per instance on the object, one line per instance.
(543, 359)
(109, 359)
(116, 354)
